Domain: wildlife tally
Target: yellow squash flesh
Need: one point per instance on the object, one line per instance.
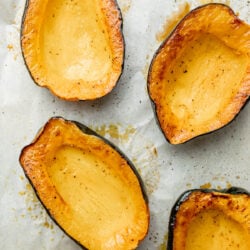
(212, 221)
(199, 78)
(87, 187)
(74, 48)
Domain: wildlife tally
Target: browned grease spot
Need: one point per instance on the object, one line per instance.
(229, 185)
(125, 8)
(188, 185)
(206, 186)
(34, 207)
(28, 187)
(209, 185)
(227, 2)
(155, 151)
(148, 167)
(145, 71)
(170, 23)
(48, 225)
(115, 131)
(221, 178)
(10, 47)
(163, 246)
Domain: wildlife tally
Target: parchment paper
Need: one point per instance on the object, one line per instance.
(125, 116)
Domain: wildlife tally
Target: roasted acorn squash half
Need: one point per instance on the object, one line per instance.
(74, 48)
(87, 186)
(210, 220)
(199, 78)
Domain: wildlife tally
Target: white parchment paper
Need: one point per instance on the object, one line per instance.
(125, 116)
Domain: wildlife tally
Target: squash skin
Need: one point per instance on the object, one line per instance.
(180, 130)
(78, 89)
(194, 201)
(35, 174)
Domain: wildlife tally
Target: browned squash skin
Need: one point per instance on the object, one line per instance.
(232, 204)
(87, 186)
(199, 78)
(76, 58)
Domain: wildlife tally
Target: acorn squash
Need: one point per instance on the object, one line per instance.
(74, 48)
(199, 78)
(210, 220)
(87, 186)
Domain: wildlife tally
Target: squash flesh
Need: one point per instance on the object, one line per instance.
(210, 220)
(212, 230)
(93, 194)
(199, 79)
(74, 48)
(81, 50)
(194, 88)
(87, 187)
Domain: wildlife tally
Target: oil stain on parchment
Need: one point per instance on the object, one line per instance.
(34, 208)
(125, 8)
(171, 22)
(11, 49)
(146, 67)
(146, 162)
(163, 246)
(115, 131)
(222, 179)
(209, 185)
(227, 2)
(228, 185)
(217, 182)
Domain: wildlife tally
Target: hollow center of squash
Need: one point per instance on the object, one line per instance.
(100, 203)
(74, 41)
(213, 230)
(204, 72)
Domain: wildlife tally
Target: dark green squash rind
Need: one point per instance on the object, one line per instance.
(184, 196)
(88, 131)
(153, 105)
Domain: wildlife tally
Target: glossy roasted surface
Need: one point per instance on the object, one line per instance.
(87, 187)
(74, 48)
(192, 79)
(210, 220)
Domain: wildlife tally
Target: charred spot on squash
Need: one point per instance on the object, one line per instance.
(74, 48)
(199, 78)
(87, 185)
(204, 219)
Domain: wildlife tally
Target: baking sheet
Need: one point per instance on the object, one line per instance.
(125, 116)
